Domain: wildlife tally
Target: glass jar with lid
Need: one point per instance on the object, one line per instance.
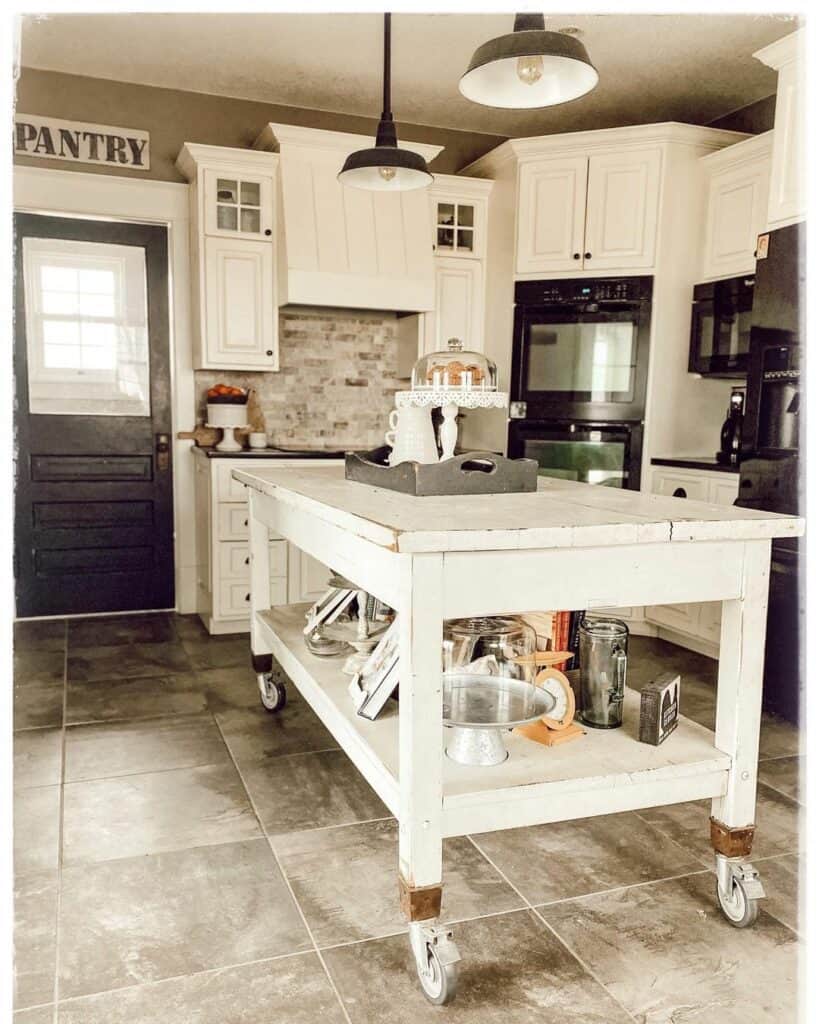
(455, 369)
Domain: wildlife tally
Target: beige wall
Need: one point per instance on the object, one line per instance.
(173, 117)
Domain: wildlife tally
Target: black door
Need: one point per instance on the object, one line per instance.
(93, 484)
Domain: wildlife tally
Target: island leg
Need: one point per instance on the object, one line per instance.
(272, 691)
(420, 774)
(739, 706)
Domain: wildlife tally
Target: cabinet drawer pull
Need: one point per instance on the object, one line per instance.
(680, 492)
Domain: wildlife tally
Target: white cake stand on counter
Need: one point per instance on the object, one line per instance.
(449, 400)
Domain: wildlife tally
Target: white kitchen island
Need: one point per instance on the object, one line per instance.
(567, 546)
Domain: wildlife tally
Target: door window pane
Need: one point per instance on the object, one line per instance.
(226, 218)
(86, 328)
(250, 193)
(226, 191)
(250, 220)
(466, 215)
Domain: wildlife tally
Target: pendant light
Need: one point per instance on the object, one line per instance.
(529, 67)
(385, 167)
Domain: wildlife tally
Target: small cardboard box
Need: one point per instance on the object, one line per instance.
(659, 708)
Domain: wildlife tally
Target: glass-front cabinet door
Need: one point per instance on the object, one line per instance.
(457, 227)
(238, 206)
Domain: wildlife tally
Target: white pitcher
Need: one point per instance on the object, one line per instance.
(411, 436)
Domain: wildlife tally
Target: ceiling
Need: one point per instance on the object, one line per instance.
(653, 67)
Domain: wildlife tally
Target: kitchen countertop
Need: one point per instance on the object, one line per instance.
(560, 514)
(707, 462)
(271, 453)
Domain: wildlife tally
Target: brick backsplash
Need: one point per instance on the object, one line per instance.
(336, 383)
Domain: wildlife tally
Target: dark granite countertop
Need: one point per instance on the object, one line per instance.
(272, 453)
(707, 462)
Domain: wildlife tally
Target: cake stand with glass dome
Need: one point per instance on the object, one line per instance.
(449, 380)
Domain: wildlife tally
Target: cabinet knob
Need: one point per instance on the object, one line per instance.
(268, 232)
(576, 256)
(754, 253)
(247, 597)
(586, 255)
(269, 352)
(247, 560)
(245, 522)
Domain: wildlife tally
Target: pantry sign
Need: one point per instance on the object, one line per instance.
(46, 137)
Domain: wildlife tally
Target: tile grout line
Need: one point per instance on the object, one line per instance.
(181, 977)
(285, 879)
(692, 856)
(546, 924)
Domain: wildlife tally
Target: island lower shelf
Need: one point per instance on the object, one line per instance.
(603, 772)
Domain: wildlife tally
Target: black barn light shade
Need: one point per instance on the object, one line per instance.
(529, 68)
(385, 167)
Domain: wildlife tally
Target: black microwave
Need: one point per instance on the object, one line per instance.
(721, 327)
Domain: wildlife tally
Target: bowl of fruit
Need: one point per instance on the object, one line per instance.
(226, 394)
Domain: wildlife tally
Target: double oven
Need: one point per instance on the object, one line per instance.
(579, 372)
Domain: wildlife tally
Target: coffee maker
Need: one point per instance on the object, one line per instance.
(730, 442)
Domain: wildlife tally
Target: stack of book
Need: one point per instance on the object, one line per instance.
(555, 631)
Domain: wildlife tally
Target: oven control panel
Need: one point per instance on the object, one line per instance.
(580, 290)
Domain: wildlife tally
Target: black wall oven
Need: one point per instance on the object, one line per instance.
(580, 348)
(585, 451)
(579, 371)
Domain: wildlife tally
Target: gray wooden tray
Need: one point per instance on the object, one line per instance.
(468, 473)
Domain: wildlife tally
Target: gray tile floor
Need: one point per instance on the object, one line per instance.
(183, 856)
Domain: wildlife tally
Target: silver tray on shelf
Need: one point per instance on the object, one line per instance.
(477, 708)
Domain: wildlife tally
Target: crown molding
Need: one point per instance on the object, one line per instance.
(475, 188)
(193, 154)
(273, 136)
(789, 48)
(752, 148)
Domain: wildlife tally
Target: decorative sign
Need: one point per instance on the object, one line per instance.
(51, 139)
(762, 242)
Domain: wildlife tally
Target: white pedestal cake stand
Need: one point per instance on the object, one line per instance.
(449, 400)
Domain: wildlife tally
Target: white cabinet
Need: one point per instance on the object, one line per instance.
(459, 305)
(551, 214)
(737, 211)
(306, 577)
(223, 552)
(787, 199)
(238, 205)
(621, 209)
(700, 622)
(238, 304)
(593, 211)
(233, 268)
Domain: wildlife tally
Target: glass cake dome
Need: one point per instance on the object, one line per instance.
(454, 369)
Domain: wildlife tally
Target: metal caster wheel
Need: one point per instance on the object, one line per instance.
(738, 893)
(272, 692)
(436, 962)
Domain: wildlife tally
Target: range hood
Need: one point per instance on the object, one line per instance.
(346, 247)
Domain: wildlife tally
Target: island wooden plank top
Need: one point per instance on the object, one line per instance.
(560, 514)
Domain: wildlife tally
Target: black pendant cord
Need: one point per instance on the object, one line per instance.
(386, 134)
(385, 108)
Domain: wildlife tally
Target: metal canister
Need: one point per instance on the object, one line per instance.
(603, 660)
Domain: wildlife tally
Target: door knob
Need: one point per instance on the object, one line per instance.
(162, 447)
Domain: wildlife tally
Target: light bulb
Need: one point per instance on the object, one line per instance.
(530, 69)
(387, 173)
